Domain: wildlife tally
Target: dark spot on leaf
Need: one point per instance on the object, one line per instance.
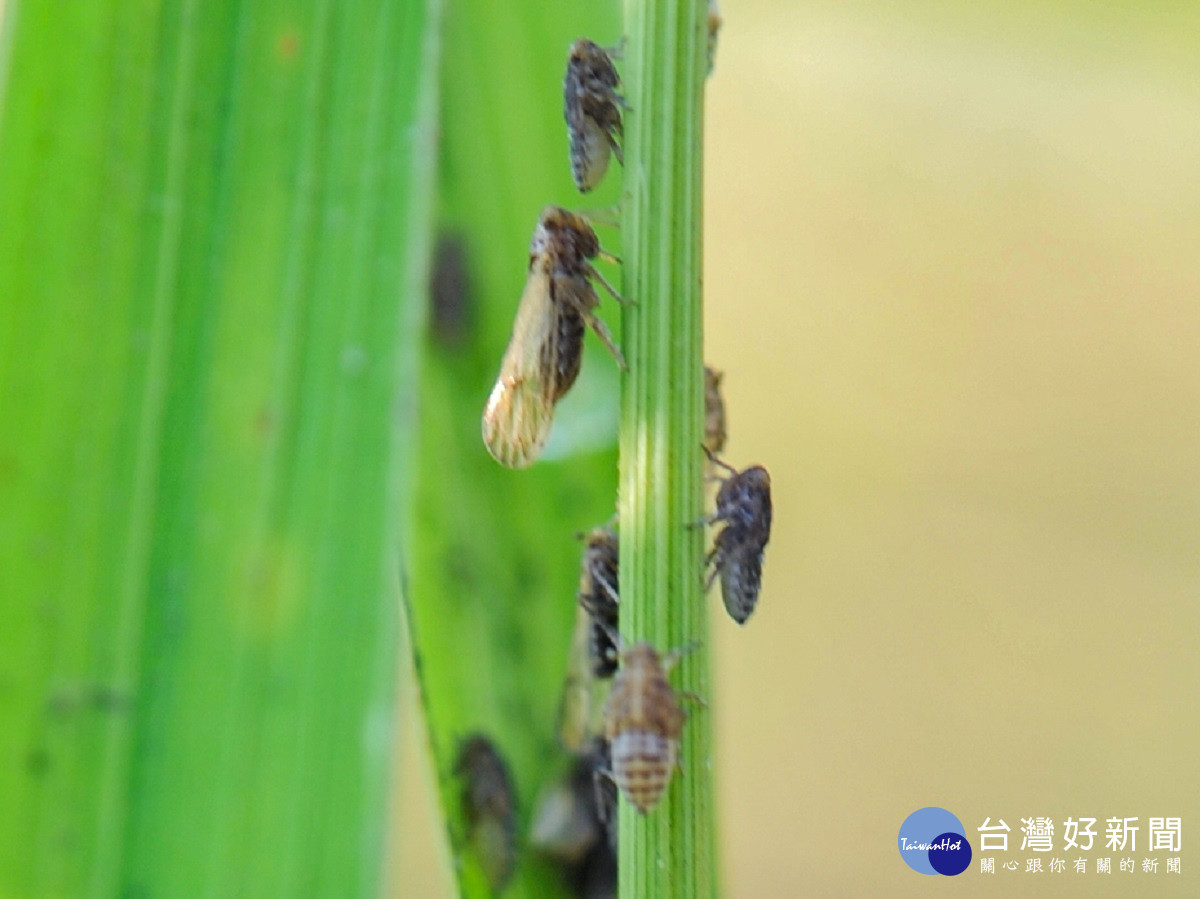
(451, 299)
(37, 763)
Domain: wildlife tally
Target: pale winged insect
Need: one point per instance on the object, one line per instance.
(642, 723)
(544, 352)
(744, 506)
(489, 807)
(714, 411)
(592, 108)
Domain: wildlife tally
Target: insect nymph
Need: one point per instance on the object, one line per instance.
(592, 108)
(543, 355)
(642, 723)
(744, 505)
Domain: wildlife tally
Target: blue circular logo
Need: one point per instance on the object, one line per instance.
(932, 841)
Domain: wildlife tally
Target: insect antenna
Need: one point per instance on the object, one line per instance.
(671, 659)
(594, 273)
(608, 216)
(715, 461)
(617, 50)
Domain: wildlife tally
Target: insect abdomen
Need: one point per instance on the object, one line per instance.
(642, 763)
(643, 721)
(741, 579)
(590, 151)
(568, 350)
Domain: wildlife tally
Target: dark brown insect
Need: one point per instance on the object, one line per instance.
(595, 877)
(744, 505)
(599, 596)
(489, 807)
(592, 108)
(642, 723)
(593, 657)
(714, 411)
(544, 353)
(451, 310)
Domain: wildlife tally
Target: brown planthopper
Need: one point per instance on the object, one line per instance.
(489, 806)
(592, 108)
(744, 506)
(545, 350)
(714, 411)
(642, 723)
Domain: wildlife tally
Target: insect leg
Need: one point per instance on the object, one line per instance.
(605, 336)
(613, 634)
(692, 697)
(671, 659)
(715, 461)
(616, 147)
(594, 274)
(712, 576)
(610, 589)
(617, 50)
(707, 520)
(602, 807)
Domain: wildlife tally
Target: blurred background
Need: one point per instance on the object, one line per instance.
(953, 278)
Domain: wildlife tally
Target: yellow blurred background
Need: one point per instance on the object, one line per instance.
(953, 277)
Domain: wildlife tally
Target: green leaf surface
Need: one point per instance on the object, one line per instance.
(495, 562)
(214, 217)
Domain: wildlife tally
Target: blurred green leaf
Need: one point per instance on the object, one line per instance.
(215, 217)
(495, 563)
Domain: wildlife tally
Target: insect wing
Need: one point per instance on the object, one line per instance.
(520, 410)
(590, 152)
(585, 137)
(580, 706)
